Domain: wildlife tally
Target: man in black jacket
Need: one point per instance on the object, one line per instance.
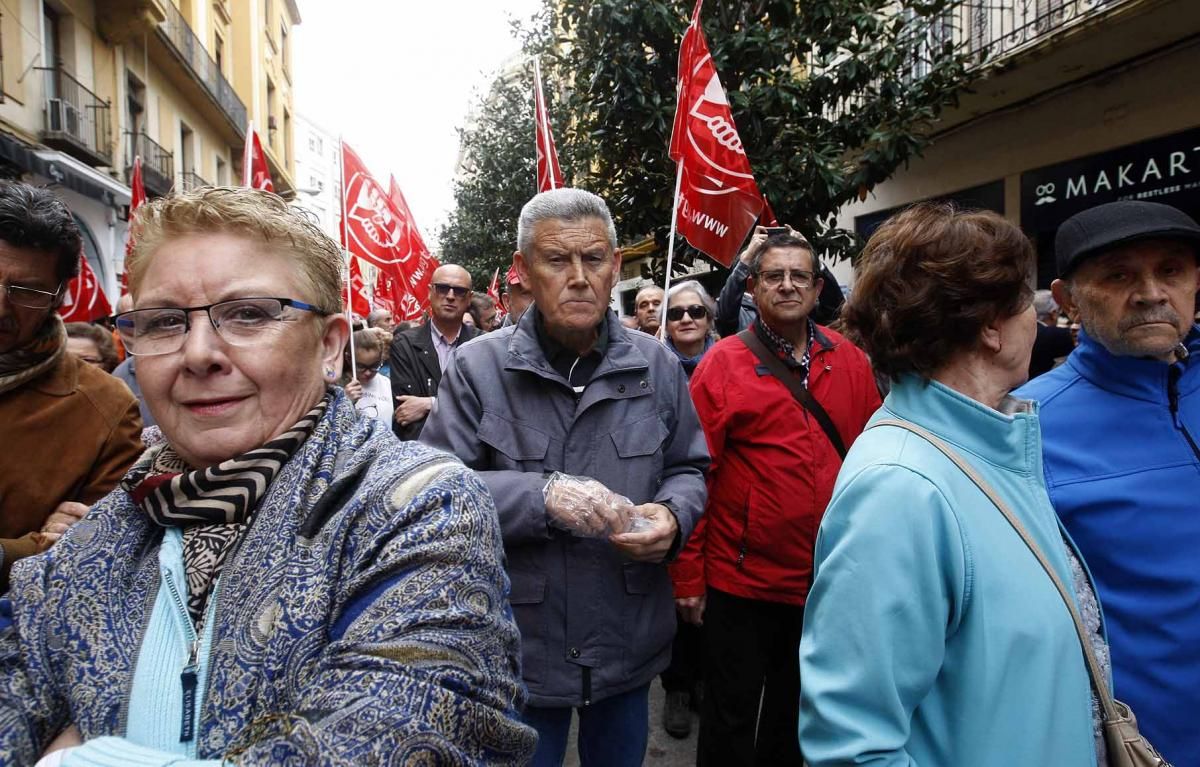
(419, 355)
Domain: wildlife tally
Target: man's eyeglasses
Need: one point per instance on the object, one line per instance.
(443, 289)
(239, 322)
(800, 279)
(695, 311)
(31, 298)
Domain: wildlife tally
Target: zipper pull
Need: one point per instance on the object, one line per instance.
(188, 680)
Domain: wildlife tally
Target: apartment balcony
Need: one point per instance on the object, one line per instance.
(190, 180)
(158, 165)
(191, 67)
(74, 119)
(1024, 48)
(122, 21)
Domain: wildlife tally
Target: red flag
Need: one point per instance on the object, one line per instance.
(549, 174)
(417, 285)
(358, 290)
(379, 228)
(493, 292)
(718, 199)
(137, 198)
(85, 300)
(384, 294)
(255, 172)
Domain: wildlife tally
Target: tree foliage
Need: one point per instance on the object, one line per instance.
(830, 97)
(498, 178)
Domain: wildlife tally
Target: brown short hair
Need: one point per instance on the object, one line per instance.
(929, 280)
(247, 212)
(101, 338)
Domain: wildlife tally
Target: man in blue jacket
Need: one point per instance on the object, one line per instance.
(1121, 426)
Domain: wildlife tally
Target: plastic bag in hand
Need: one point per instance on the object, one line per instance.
(584, 507)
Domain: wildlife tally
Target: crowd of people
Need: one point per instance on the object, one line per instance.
(844, 531)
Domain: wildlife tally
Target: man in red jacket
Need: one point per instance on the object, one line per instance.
(745, 572)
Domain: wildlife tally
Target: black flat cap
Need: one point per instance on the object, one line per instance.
(1107, 226)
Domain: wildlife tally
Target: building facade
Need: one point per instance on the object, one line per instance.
(318, 186)
(88, 85)
(1081, 102)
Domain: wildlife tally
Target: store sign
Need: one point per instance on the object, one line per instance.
(989, 196)
(1161, 170)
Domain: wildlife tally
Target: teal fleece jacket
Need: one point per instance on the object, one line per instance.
(932, 637)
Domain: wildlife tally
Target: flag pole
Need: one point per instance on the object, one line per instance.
(662, 324)
(247, 154)
(346, 250)
(544, 121)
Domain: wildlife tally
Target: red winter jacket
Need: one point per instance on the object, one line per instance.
(773, 468)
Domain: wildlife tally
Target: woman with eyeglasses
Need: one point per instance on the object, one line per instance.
(370, 392)
(275, 580)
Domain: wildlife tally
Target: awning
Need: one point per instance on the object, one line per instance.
(64, 170)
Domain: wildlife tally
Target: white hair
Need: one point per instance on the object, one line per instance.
(692, 286)
(562, 205)
(1044, 303)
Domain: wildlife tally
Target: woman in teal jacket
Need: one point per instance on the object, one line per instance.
(932, 636)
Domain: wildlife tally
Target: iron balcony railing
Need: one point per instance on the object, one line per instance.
(189, 180)
(993, 29)
(986, 31)
(75, 119)
(180, 37)
(158, 165)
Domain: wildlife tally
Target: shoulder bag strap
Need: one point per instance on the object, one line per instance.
(793, 384)
(1098, 680)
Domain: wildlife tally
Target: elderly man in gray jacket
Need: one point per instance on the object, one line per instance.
(568, 390)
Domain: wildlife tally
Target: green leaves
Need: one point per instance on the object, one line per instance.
(831, 97)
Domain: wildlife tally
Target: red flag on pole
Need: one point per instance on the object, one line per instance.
(493, 292)
(418, 281)
(255, 172)
(549, 174)
(380, 231)
(718, 199)
(85, 300)
(137, 198)
(358, 290)
(384, 294)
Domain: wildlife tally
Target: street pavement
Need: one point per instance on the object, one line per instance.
(663, 750)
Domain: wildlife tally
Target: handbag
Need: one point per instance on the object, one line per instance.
(1126, 746)
(793, 384)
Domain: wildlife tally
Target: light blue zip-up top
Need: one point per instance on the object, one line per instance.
(932, 636)
(156, 701)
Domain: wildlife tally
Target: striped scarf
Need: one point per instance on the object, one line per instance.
(213, 505)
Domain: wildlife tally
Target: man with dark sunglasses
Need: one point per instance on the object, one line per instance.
(418, 356)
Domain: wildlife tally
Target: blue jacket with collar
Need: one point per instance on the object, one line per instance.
(1122, 464)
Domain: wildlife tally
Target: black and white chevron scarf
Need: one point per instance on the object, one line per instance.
(213, 505)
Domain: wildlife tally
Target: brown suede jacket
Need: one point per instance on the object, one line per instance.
(69, 435)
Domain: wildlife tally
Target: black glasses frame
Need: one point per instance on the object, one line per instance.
(123, 323)
(458, 290)
(695, 311)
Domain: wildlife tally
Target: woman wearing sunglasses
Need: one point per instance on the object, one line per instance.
(689, 323)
